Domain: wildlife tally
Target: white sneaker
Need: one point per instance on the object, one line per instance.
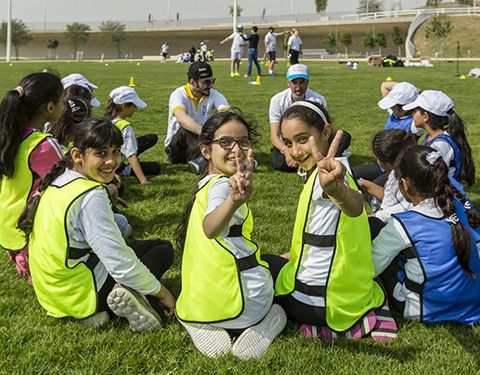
(255, 340)
(209, 340)
(132, 305)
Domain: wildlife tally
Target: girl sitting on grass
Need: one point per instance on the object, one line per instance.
(227, 290)
(123, 103)
(428, 257)
(81, 266)
(434, 112)
(26, 154)
(326, 281)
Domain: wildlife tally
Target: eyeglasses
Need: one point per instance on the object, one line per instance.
(207, 81)
(228, 143)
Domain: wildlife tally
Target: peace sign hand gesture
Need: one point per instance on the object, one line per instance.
(240, 185)
(331, 172)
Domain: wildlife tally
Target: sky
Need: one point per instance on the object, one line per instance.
(32, 11)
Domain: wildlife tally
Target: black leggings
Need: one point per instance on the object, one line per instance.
(156, 255)
(371, 172)
(296, 310)
(145, 142)
(178, 151)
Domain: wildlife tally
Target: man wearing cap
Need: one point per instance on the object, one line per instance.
(297, 80)
(271, 48)
(76, 84)
(238, 43)
(189, 108)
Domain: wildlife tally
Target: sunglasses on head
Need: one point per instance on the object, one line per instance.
(228, 143)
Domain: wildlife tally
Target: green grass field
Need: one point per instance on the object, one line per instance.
(31, 342)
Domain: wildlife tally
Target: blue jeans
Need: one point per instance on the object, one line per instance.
(253, 56)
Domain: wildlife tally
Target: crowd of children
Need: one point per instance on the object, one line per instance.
(345, 271)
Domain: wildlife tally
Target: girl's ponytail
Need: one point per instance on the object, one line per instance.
(457, 130)
(460, 236)
(13, 117)
(472, 216)
(25, 222)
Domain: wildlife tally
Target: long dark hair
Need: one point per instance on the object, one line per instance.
(81, 92)
(18, 108)
(431, 181)
(387, 144)
(455, 126)
(94, 133)
(205, 138)
(307, 115)
(75, 110)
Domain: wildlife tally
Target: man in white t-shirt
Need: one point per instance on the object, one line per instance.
(294, 47)
(189, 108)
(271, 47)
(165, 49)
(238, 44)
(203, 50)
(297, 80)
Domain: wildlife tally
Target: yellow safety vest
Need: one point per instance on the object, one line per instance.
(14, 193)
(122, 124)
(211, 286)
(350, 290)
(64, 285)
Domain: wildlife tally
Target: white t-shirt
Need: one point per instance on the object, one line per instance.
(182, 98)
(257, 283)
(393, 199)
(446, 151)
(237, 42)
(271, 40)
(165, 48)
(204, 48)
(295, 42)
(90, 224)
(282, 100)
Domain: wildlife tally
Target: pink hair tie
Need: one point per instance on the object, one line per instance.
(36, 194)
(20, 90)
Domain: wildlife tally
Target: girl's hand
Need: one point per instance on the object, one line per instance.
(241, 183)
(331, 172)
(167, 299)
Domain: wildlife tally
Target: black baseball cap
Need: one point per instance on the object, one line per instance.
(198, 70)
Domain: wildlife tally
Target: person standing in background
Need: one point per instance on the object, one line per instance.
(271, 47)
(165, 49)
(238, 43)
(294, 47)
(253, 51)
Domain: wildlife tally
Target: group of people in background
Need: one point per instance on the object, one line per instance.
(346, 270)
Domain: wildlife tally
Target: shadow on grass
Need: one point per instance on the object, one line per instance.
(468, 337)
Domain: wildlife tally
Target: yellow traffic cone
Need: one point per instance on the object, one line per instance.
(132, 82)
(258, 81)
(388, 79)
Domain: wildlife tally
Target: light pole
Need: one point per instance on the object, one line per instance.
(234, 15)
(9, 30)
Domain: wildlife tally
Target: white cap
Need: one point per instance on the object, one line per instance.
(80, 80)
(127, 94)
(432, 101)
(402, 93)
(297, 71)
(239, 27)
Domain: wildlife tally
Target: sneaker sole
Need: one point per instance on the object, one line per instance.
(209, 340)
(129, 304)
(255, 340)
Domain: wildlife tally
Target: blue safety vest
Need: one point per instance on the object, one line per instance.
(456, 162)
(403, 123)
(447, 293)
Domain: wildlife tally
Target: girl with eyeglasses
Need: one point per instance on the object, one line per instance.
(227, 290)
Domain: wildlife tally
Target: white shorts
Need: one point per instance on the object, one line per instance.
(236, 55)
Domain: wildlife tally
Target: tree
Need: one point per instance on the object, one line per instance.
(368, 40)
(439, 28)
(20, 34)
(330, 40)
(346, 41)
(397, 38)
(321, 5)
(465, 2)
(381, 41)
(239, 10)
(52, 44)
(78, 34)
(370, 6)
(114, 32)
(433, 3)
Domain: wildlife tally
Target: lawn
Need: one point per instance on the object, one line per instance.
(31, 342)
